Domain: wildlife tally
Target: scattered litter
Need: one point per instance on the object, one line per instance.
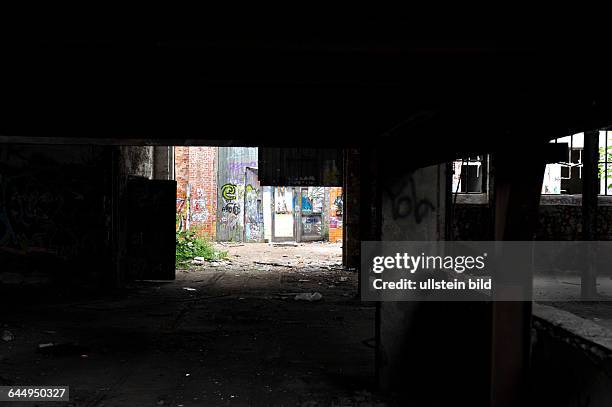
(316, 296)
(187, 374)
(303, 281)
(343, 279)
(263, 263)
(61, 349)
(230, 244)
(7, 336)
(284, 244)
(198, 258)
(45, 345)
(189, 289)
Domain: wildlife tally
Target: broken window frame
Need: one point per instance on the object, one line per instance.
(469, 195)
(574, 163)
(572, 166)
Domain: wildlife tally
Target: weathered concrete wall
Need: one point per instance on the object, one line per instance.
(196, 193)
(571, 360)
(136, 161)
(233, 162)
(472, 222)
(555, 222)
(54, 214)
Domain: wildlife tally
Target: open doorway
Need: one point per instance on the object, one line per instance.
(221, 200)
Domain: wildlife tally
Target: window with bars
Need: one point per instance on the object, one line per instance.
(605, 162)
(470, 175)
(565, 177)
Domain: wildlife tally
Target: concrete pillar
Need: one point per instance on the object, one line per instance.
(412, 208)
(517, 196)
(351, 244)
(590, 186)
(163, 162)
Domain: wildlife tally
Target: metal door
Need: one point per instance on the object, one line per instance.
(311, 213)
(283, 222)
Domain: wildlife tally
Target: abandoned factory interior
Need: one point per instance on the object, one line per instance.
(295, 220)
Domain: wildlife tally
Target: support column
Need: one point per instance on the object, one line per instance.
(351, 240)
(590, 184)
(516, 201)
(411, 336)
(163, 162)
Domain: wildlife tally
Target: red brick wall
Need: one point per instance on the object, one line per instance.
(196, 192)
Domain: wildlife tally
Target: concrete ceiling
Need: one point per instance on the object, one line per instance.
(315, 91)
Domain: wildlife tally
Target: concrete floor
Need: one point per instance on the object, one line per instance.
(236, 337)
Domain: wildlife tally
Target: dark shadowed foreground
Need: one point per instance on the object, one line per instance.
(221, 334)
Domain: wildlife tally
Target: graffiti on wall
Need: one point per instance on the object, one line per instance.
(233, 164)
(52, 203)
(191, 209)
(405, 201)
(231, 206)
(335, 214)
(283, 200)
(199, 211)
(183, 211)
(337, 206)
(312, 200)
(253, 207)
(312, 225)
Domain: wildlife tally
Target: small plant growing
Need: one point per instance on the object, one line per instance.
(189, 245)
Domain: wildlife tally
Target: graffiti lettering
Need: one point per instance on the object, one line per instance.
(228, 191)
(404, 202)
(231, 207)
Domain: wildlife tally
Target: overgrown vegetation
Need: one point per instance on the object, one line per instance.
(189, 245)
